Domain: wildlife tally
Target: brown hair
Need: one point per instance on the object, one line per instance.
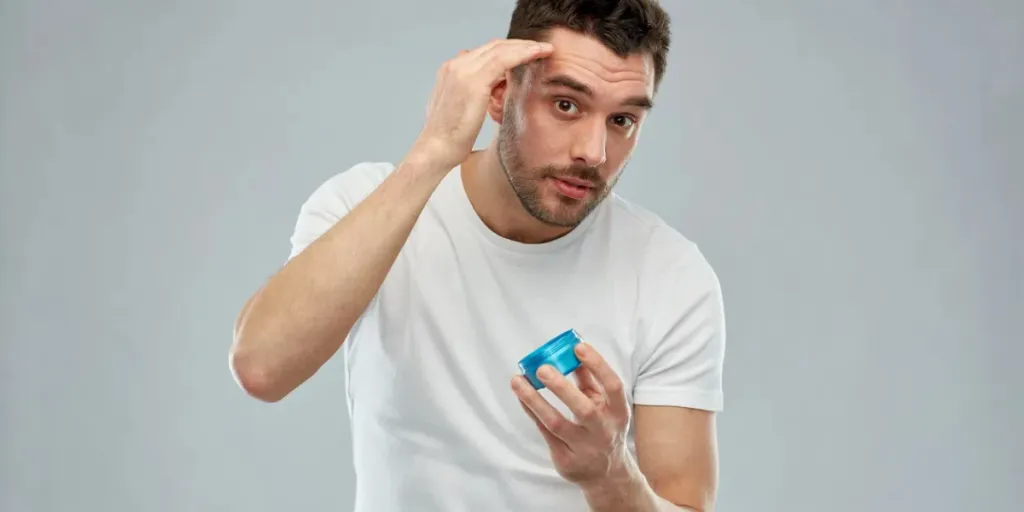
(626, 27)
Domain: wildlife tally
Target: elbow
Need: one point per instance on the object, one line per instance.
(254, 376)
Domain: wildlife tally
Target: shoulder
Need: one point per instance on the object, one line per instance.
(348, 187)
(657, 247)
(670, 269)
(333, 198)
(341, 192)
(679, 314)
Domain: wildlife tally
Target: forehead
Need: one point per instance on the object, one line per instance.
(587, 60)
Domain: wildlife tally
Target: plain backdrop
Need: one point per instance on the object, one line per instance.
(851, 169)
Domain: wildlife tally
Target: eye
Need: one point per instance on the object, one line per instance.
(566, 106)
(623, 121)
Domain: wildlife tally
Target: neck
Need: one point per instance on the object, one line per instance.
(496, 202)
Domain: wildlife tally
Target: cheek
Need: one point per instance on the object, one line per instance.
(618, 152)
(538, 121)
(618, 146)
(542, 137)
(619, 149)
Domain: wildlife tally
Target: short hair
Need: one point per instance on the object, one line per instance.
(625, 27)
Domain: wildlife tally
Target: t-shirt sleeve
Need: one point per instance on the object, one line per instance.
(334, 199)
(682, 345)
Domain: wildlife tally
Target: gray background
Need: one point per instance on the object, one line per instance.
(852, 171)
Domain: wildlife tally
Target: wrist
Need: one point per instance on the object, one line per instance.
(622, 476)
(431, 156)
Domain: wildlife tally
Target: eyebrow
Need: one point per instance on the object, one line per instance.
(643, 102)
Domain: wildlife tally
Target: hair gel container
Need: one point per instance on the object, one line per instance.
(559, 352)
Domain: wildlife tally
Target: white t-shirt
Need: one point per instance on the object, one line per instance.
(435, 424)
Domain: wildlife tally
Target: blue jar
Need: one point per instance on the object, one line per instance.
(559, 352)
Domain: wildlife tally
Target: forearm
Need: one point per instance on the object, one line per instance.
(300, 318)
(627, 490)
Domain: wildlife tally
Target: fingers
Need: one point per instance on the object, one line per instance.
(508, 54)
(497, 57)
(610, 382)
(552, 440)
(583, 407)
(546, 414)
(588, 384)
(487, 46)
(468, 59)
(498, 46)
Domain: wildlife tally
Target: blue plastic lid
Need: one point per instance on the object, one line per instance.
(558, 352)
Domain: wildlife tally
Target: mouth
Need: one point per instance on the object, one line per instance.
(573, 188)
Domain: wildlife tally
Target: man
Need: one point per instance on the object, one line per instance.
(438, 274)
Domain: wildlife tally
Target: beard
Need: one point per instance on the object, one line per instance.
(529, 184)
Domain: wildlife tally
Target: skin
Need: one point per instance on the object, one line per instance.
(563, 132)
(550, 128)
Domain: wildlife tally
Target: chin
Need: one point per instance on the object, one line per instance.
(564, 215)
(552, 208)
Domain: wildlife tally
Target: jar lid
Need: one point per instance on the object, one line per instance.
(539, 355)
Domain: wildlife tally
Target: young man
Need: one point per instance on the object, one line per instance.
(438, 274)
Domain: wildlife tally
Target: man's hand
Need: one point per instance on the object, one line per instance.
(591, 451)
(458, 103)
(593, 447)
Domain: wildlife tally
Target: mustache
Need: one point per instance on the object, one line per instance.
(586, 173)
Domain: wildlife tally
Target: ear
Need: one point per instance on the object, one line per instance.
(496, 101)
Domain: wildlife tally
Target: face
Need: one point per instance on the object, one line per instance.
(569, 127)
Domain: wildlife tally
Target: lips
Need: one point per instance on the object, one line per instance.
(573, 188)
(577, 182)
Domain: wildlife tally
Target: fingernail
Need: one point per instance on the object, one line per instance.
(546, 372)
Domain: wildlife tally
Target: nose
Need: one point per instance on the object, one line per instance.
(589, 144)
